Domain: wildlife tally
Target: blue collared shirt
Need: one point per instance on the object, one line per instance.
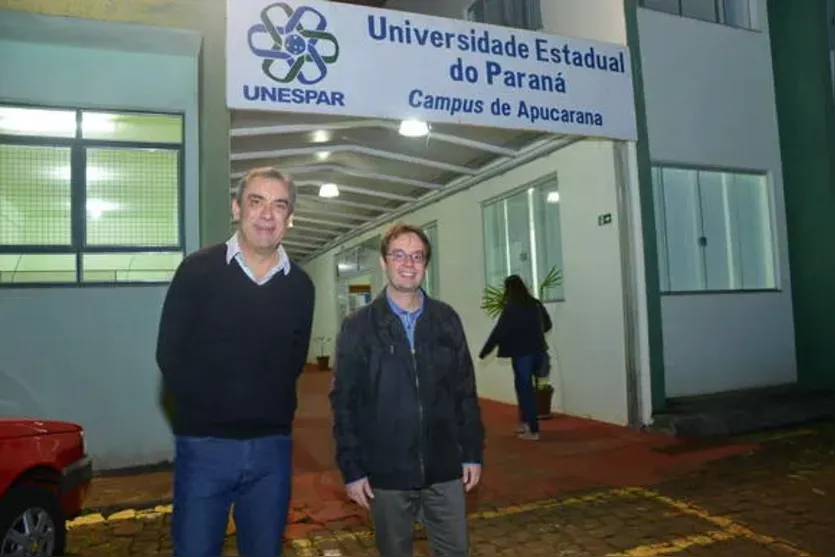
(407, 318)
(233, 251)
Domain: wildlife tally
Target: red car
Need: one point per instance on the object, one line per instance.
(44, 476)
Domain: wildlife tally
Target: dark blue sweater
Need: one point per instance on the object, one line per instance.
(230, 351)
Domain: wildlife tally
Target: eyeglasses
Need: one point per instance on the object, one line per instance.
(400, 256)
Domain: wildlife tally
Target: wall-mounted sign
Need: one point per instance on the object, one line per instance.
(332, 58)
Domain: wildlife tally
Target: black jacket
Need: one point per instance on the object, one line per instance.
(405, 420)
(519, 331)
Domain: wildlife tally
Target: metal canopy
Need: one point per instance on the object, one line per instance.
(377, 170)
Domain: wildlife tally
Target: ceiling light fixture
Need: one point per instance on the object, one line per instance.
(321, 136)
(328, 190)
(553, 197)
(414, 128)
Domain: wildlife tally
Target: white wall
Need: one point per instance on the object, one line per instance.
(710, 101)
(322, 271)
(599, 20)
(87, 354)
(589, 328)
(453, 9)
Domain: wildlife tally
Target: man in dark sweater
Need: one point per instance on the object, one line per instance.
(233, 340)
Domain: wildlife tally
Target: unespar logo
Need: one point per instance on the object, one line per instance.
(302, 47)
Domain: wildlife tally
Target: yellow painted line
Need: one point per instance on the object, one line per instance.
(127, 514)
(161, 510)
(677, 545)
(728, 529)
(86, 520)
(312, 542)
(723, 522)
(599, 497)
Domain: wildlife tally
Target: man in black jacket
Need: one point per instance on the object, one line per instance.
(407, 424)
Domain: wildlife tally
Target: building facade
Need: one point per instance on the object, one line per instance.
(693, 259)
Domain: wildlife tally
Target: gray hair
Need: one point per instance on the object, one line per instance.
(269, 173)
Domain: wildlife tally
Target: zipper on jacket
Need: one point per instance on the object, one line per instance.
(420, 419)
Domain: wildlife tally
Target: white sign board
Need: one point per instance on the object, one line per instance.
(331, 58)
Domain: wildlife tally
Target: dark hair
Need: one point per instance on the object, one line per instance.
(399, 229)
(269, 173)
(516, 292)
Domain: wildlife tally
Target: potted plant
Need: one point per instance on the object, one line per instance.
(544, 396)
(492, 302)
(323, 360)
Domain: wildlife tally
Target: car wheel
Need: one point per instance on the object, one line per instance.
(31, 523)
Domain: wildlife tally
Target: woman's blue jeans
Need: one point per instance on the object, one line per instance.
(524, 373)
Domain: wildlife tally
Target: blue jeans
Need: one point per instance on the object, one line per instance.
(524, 368)
(210, 475)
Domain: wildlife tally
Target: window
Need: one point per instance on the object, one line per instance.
(358, 276)
(89, 196)
(432, 281)
(522, 236)
(521, 14)
(735, 13)
(713, 230)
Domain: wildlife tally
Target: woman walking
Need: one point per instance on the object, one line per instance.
(520, 335)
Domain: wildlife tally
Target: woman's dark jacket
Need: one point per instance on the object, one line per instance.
(519, 331)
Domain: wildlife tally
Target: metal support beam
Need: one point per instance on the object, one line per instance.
(298, 244)
(312, 231)
(359, 191)
(334, 214)
(343, 202)
(359, 124)
(341, 169)
(325, 222)
(351, 148)
(374, 193)
(298, 247)
(491, 170)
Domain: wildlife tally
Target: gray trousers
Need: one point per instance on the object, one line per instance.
(441, 508)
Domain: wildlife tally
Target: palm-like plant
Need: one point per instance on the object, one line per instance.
(492, 299)
(551, 280)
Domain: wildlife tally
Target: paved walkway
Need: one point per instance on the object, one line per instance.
(572, 454)
(776, 500)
